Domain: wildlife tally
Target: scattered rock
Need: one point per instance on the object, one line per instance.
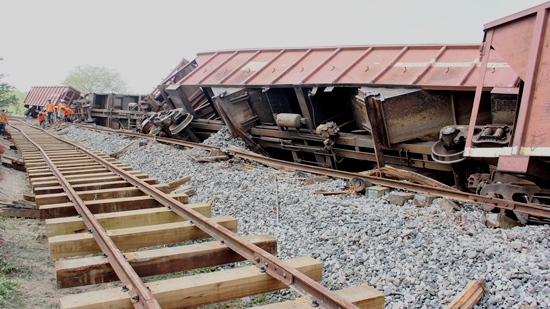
(399, 198)
(448, 205)
(424, 253)
(423, 200)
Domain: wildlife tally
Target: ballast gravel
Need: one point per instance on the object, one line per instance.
(419, 257)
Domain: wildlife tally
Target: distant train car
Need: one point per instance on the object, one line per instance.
(37, 97)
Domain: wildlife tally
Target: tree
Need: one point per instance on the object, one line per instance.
(7, 98)
(95, 79)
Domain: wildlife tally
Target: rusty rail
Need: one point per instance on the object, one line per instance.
(263, 260)
(140, 295)
(530, 209)
(156, 138)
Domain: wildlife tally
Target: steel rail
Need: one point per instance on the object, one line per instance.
(531, 209)
(266, 262)
(140, 295)
(156, 138)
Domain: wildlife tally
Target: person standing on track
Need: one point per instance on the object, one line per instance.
(60, 108)
(49, 111)
(3, 120)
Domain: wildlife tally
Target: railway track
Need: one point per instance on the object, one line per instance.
(539, 213)
(107, 222)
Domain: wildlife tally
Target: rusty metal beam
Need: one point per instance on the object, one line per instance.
(541, 23)
(485, 49)
(302, 101)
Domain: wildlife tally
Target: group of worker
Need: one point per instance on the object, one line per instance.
(59, 111)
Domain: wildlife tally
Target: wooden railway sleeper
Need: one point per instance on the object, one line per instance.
(301, 283)
(141, 295)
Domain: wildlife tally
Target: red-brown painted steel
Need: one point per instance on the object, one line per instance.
(435, 66)
(523, 42)
(38, 96)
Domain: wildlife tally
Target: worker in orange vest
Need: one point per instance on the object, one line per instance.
(3, 120)
(59, 107)
(68, 114)
(49, 111)
(41, 120)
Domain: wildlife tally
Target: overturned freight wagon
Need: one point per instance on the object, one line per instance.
(339, 106)
(476, 114)
(37, 97)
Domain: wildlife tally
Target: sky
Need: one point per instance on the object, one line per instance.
(43, 40)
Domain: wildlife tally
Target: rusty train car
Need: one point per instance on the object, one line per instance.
(475, 116)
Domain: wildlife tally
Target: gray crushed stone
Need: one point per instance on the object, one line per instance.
(419, 257)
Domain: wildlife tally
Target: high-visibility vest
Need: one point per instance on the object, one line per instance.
(41, 118)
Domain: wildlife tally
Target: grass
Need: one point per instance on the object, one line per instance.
(8, 284)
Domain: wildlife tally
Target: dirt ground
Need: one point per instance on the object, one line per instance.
(25, 244)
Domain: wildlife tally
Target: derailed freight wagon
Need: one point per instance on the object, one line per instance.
(37, 97)
(476, 114)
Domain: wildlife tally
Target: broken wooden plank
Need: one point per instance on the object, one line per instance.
(29, 197)
(211, 158)
(176, 183)
(325, 192)
(469, 297)
(134, 237)
(103, 206)
(197, 290)
(316, 179)
(401, 174)
(13, 163)
(22, 204)
(20, 213)
(20, 209)
(362, 296)
(187, 189)
(122, 150)
(123, 219)
(95, 270)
